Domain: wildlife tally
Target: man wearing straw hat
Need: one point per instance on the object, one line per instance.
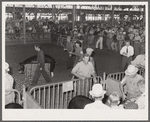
(97, 93)
(131, 81)
(9, 82)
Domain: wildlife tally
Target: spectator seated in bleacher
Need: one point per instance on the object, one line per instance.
(114, 101)
(79, 102)
(9, 82)
(13, 106)
(131, 81)
(98, 94)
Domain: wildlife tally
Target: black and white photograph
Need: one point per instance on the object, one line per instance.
(75, 60)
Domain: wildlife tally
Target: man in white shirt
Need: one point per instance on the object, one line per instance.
(98, 94)
(127, 51)
(9, 82)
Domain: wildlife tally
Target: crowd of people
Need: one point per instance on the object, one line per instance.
(34, 28)
(127, 39)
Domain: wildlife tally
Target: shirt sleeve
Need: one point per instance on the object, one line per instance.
(76, 68)
(92, 68)
(9, 81)
(122, 50)
(131, 51)
(123, 81)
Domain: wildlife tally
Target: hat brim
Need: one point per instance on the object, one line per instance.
(97, 95)
(129, 73)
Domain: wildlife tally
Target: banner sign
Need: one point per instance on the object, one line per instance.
(68, 86)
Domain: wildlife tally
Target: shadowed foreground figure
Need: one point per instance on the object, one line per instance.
(13, 106)
(78, 102)
(33, 60)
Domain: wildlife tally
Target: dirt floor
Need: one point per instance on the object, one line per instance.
(106, 61)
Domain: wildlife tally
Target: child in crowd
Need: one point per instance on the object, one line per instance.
(114, 101)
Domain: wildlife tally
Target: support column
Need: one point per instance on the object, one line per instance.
(14, 15)
(104, 12)
(73, 16)
(122, 15)
(53, 12)
(129, 14)
(80, 14)
(112, 16)
(35, 12)
(24, 25)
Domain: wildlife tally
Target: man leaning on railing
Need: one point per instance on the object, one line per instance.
(131, 81)
(84, 69)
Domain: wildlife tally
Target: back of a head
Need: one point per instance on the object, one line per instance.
(79, 102)
(38, 46)
(13, 106)
(114, 98)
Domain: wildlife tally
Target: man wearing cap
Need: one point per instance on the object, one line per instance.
(127, 52)
(131, 81)
(97, 93)
(89, 52)
(9, 82)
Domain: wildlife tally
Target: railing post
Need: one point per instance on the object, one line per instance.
(104, 80)
(24, 98)
(24, 25)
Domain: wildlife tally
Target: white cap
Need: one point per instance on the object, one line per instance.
(89, 50)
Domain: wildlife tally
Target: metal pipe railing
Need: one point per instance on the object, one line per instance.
(119, 75)
(57, 97)
(15, 98)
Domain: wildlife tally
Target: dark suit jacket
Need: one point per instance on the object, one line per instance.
(40, 58)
